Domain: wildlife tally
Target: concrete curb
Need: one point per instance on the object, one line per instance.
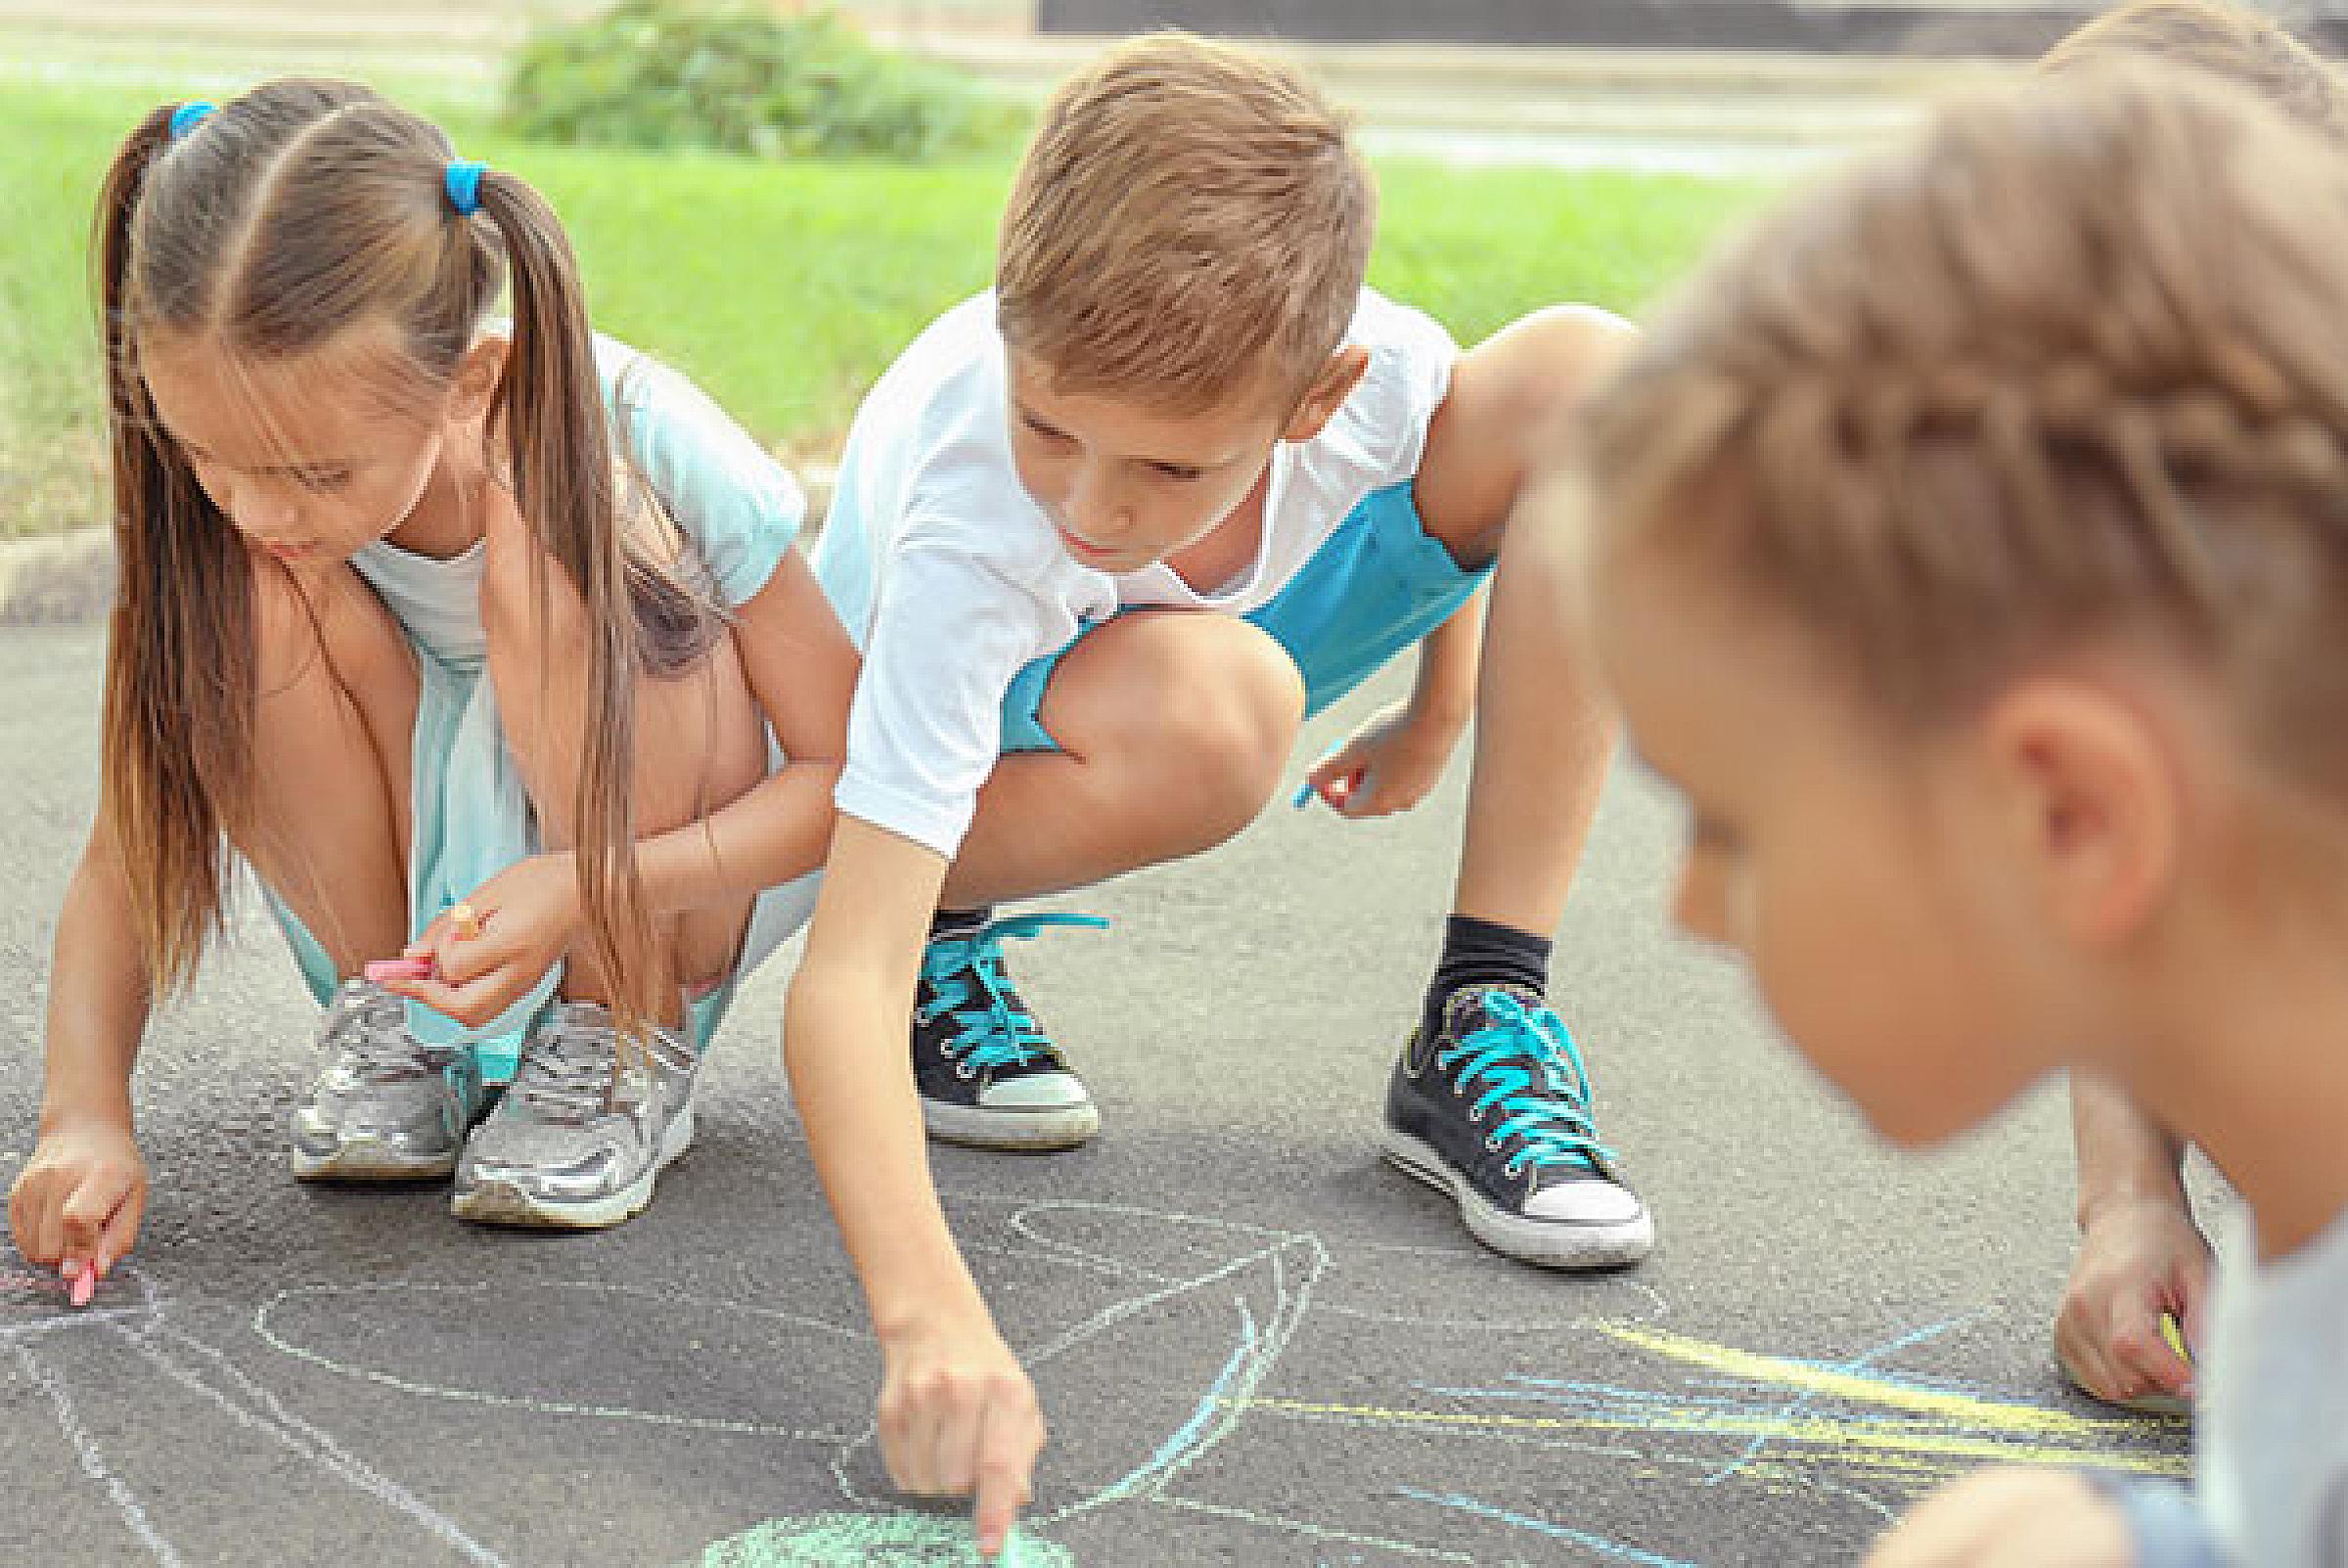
(56, 579)
(69, 578)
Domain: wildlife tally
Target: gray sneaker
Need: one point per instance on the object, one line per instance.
(579, 1136)
(383, 1107)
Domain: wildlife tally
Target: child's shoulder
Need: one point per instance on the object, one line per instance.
(1391, 328)
(941, 404)
(958, 358)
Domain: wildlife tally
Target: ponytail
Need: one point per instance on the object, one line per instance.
(549, 404)
(179, 660)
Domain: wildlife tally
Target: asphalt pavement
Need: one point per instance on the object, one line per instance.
(1256, 1344)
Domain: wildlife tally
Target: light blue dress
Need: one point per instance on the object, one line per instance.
(742, 510)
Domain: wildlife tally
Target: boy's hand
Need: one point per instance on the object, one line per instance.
(492, 950)
(1389, 765)
(79, 1198)
(2139, 1259)
(2012, 1517)
(958, 1416)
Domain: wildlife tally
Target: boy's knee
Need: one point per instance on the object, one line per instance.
(1231, 710)
(1549, 361)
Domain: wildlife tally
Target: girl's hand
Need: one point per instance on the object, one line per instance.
(79, 1198)
(1389, 765)
(2012, 1517)
(492, 950)
(958, 1415)
(2139, 1261)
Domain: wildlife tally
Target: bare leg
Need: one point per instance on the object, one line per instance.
(1544, 731)
(1173, 730)
(1544, 736)
(332, 728)
(701, 743)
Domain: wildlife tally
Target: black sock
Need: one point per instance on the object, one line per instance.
(959, 922)
(1480, 953)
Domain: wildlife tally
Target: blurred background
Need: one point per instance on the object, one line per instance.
(776, 196)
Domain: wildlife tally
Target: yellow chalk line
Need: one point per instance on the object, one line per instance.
(1865, 1443)
(1962, 1426)
(1963, 1410)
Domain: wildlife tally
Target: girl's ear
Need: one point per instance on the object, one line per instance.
(476, 384)
(2097, 804)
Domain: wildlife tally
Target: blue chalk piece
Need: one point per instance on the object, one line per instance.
(1304, 795)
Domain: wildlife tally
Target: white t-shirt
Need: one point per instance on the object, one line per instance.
(951, 579)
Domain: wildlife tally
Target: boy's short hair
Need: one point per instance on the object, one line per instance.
(1189, 221)
(2229, 40)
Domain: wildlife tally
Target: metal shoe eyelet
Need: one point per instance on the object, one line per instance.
(1512, 1170)
(1492, 1146)
(962, 1069)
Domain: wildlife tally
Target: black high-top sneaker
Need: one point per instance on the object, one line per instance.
(988, 1074)
(1495, 1110)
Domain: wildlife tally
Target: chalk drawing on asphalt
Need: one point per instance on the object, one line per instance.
(1239, 1296)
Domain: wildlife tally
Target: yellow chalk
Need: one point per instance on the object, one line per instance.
(2175, 1338)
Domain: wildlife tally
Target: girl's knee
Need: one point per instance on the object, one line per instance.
(527, 605)
(329, 627)
(288, 640)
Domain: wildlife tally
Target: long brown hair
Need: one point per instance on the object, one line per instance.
(2068, 368)
(297, 211)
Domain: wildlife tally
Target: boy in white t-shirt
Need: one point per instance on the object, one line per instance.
(1181, 398)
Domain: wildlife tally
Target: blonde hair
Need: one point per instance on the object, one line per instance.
(297, 211)
(2071, 366)
(2226, 40)
(1189, 221)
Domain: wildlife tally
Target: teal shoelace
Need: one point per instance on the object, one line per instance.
(1531, 1071)
(966, 983)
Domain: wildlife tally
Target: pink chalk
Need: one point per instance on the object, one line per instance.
(85, 1285)
(384, 971)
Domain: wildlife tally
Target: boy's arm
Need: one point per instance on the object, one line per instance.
(1449, 658)
(83, 1190)
(958, 1413)
(2140, 1256)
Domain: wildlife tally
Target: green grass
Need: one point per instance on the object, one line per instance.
(784, 290)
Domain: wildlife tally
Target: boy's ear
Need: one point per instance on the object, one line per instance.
(2094, 801)
(1330, 389)
(475, 381)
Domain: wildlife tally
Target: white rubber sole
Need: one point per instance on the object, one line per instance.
(1544, 1243)
(1018, 1130)
(503, 1203)
(363, 1159)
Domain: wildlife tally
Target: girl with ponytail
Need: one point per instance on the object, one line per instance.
(1968, 545)
(527, 726)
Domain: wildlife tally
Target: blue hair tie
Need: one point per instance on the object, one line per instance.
(464, 185)
(188, 116)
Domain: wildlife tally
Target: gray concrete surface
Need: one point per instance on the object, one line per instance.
(1256, 1344)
